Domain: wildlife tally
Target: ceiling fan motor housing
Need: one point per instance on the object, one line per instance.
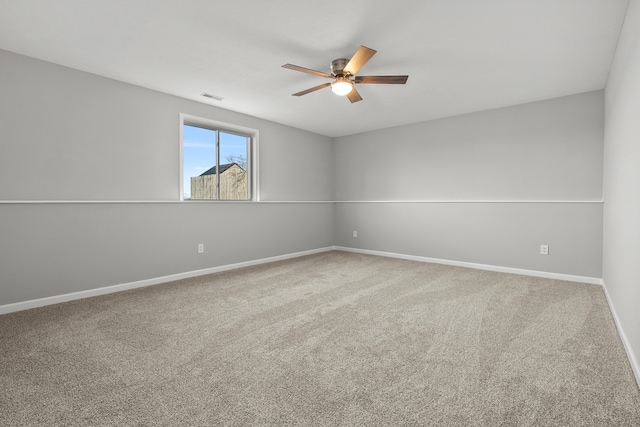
(337, 65)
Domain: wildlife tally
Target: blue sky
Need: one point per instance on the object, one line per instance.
(199, 151)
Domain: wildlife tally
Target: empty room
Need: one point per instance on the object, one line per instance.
(367, 213)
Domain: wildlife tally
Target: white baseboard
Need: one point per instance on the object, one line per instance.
(548, 275)
(633, 360)
(25, 305)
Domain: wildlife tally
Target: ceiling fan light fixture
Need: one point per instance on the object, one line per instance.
(342, 86)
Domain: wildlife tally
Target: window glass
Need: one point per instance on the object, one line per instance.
(233, 166)
(216, 164)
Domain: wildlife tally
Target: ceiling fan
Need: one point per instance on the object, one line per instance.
(343, 74)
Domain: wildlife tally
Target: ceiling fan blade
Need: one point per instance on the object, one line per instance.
(362, 55)
(354, 96)
(381, 80)
(313, 89)
(307, 70)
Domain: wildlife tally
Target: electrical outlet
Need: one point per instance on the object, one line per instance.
(200, 248)
(355, 233)
(544, 249)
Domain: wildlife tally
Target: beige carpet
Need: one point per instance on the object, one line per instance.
(330, 339)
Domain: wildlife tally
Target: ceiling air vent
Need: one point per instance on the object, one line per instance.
(210, 96)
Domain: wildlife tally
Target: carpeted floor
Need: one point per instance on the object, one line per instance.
(330, 339)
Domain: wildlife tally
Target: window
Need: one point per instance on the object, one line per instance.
(217, 161)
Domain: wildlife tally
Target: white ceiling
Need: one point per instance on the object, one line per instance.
(461, 55)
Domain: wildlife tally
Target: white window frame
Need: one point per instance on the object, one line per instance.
(252, 161)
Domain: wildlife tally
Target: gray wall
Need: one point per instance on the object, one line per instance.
(621, 262)
(66, 135)
(537, 168)
(70, 135)
(54, 249)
